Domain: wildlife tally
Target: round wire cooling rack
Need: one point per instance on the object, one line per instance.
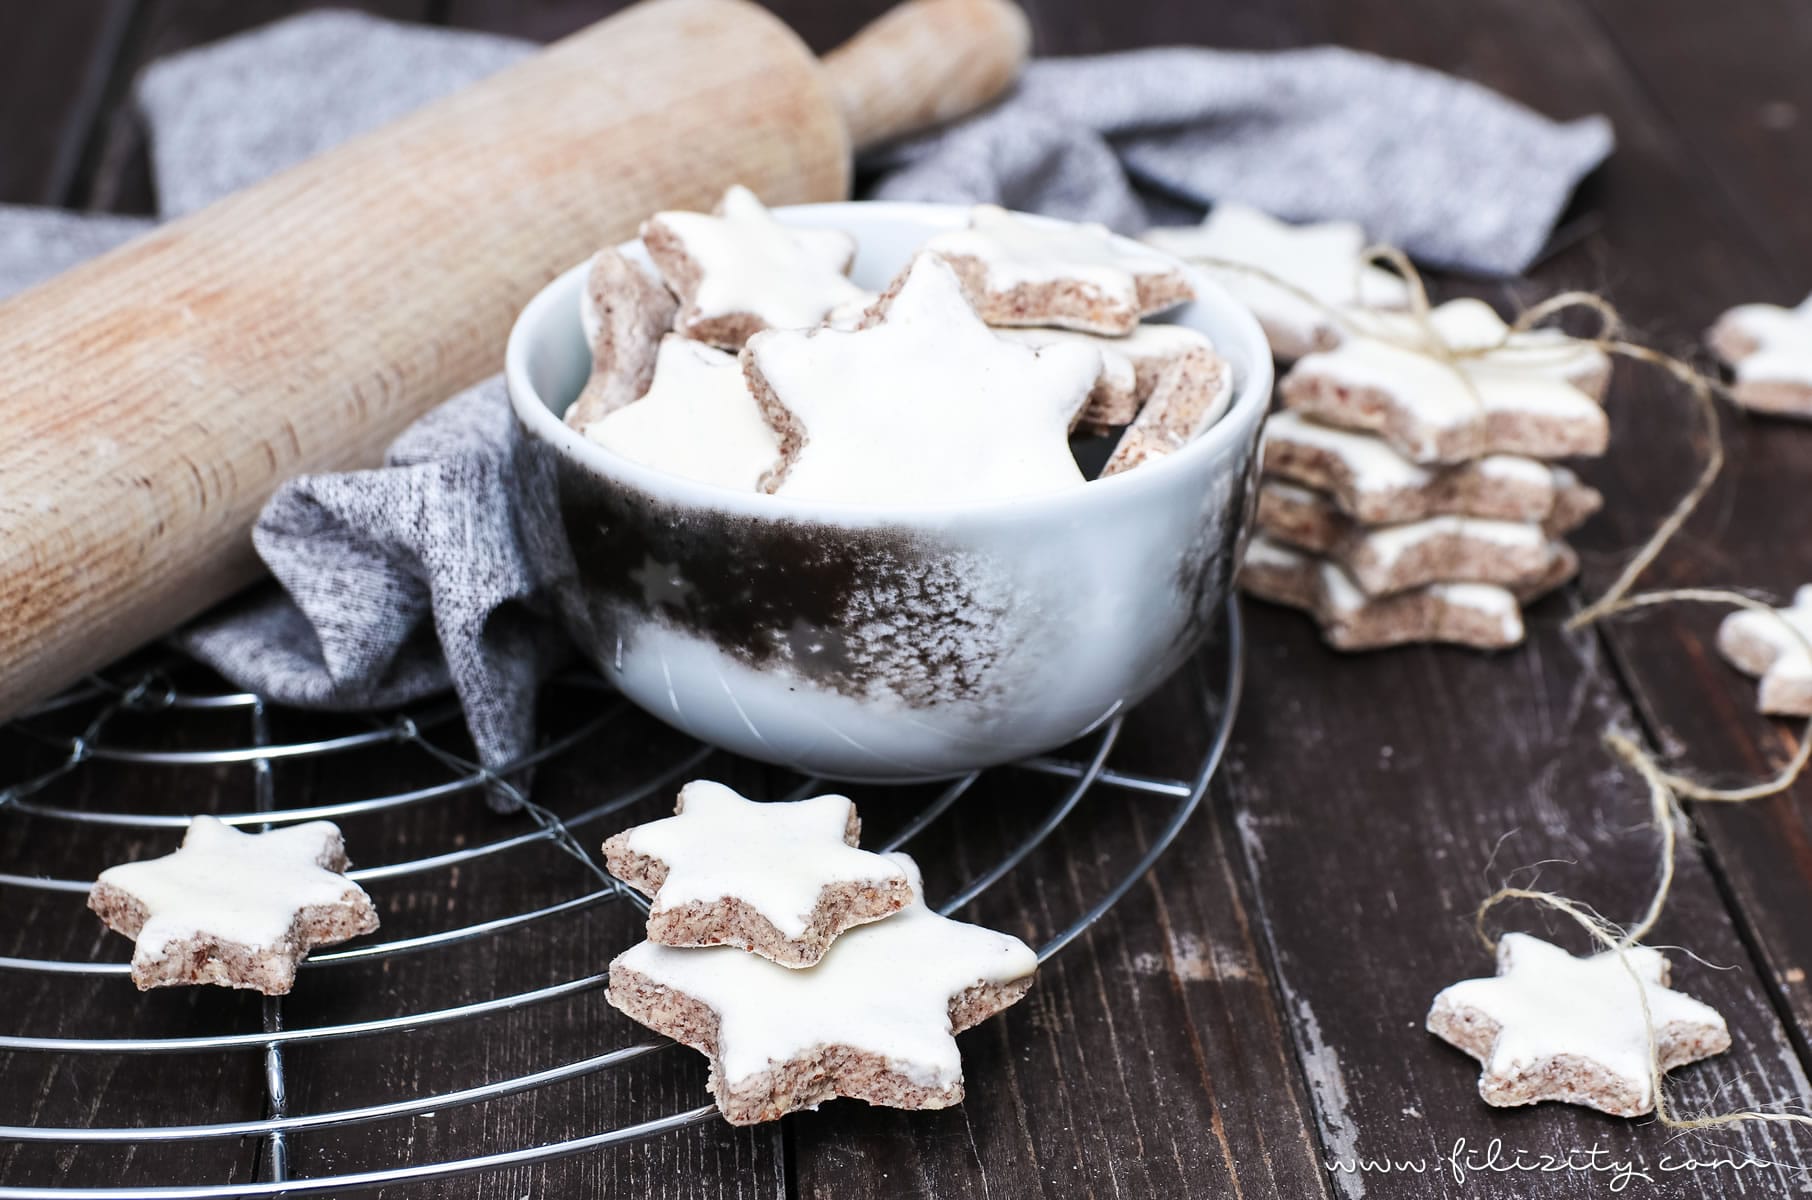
(1079, 774)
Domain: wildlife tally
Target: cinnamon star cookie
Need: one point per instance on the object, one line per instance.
(235, 909)
(780, 879)
(625, 311)
(1765, 646)
(740, 271)
(1769, 349)
(1320, 268)
(1020, 271)
(697, 420)
(875, 1019)
(1482, 390)
(924, 405)
(1550, 1026)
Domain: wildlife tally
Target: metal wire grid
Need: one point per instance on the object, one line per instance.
(275, 1036)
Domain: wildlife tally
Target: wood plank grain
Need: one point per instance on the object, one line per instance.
(709, 1159)
(1149, 1060)
(1732, 95)
(1671, 266)
(1656, 214)
(1113, 1022)
(1373, 826)
(54, 65)
(94, 1090)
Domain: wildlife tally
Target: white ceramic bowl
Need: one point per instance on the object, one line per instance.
(869, 643)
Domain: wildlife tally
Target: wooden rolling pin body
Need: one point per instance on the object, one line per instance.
(154, 398)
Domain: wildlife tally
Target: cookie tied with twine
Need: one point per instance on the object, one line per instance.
(1666, 788)
(1428, 412)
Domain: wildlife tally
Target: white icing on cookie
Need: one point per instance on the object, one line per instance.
(1148, 346)
(774, 857)
(1763, 645)
(927, 406)
(851, 314)
(1263, 552)
(1016, 251)
(1391, 543)
(883, 988)
(1344, 599)
(1783, 341)
(1117, 371)
(244, 888)
(1322, 260)
(1531, 375)
(697, 420)
(1578, 1019)
(1468, 326)
(750, 263)
(1532, 472)
(1374, 466)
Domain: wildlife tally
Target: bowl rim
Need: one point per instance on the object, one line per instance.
(1241, 421)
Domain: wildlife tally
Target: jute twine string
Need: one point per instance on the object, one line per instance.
(1665, 787)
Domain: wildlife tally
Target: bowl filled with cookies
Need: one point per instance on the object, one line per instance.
(886, 491)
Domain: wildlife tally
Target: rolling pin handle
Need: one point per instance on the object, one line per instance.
(926, 62)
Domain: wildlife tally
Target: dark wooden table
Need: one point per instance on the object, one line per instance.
(1253, 1010)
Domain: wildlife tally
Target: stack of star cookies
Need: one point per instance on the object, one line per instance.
(1411, 490)
(803, 967)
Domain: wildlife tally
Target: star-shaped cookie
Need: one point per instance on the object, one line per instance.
(1191, 395)
(1321, 260)
(1019, 271)
(1481, 615)
(1131, 366)
(1550, 1026)
(1769, 349)
(1375, 485)
(780, 879)
(1535, 396)
(625, 311)
(874, 1020)
(923, 406)
(697, 420)
(234, 909)
(1391, 558)
(1762, 645)
(740, 270)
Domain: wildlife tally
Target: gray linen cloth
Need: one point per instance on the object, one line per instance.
(400, 582)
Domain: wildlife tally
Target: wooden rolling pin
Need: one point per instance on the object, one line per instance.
(153, 399)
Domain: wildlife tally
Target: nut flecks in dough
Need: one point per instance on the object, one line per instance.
(782, 880)
(924, 406)
(625, 311)
(1550, 1026)
(741, 271)
(1191, 395)
(875, 1019)
(697, 420)
(234, 909)
(1322, 260)
(1765, 646)
(1020, 271)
